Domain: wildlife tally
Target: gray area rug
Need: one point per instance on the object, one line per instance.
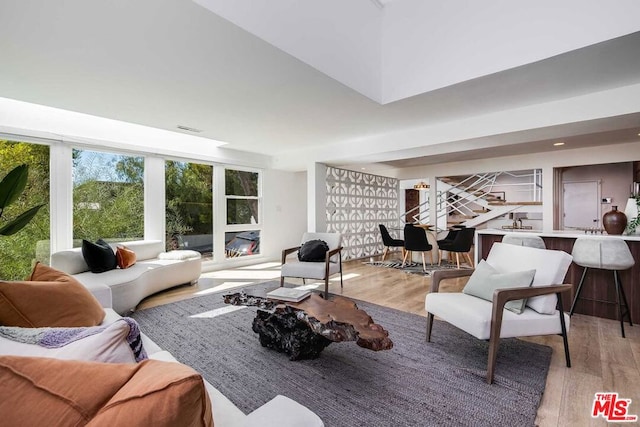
(414, 267)
(416, 383)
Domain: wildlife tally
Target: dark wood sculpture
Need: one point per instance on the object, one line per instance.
(303, 329)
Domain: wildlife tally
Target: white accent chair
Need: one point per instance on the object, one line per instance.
(332, 264)
(523, 239)
(488, 320)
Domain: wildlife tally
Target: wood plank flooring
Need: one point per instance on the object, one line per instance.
(601, 359)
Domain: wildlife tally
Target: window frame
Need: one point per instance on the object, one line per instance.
(238, 228)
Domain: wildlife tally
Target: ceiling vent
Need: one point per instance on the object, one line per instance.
(188, 129)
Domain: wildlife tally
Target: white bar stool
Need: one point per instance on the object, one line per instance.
(606, 253)
(523, 239)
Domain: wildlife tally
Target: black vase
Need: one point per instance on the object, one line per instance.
(614, 221)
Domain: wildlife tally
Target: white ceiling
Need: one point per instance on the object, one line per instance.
(170, 63)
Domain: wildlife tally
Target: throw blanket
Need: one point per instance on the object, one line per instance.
(59, 337)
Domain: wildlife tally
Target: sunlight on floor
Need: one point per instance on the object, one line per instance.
(222, 287)
(264, 265)
(217, 312)
(344, 277)
(243, 274)
(311, 286)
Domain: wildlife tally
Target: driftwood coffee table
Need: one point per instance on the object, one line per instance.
(303, 329)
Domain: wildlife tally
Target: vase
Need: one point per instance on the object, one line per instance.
(631, 211)
(614, 221)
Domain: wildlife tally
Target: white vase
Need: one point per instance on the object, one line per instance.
(631, 211)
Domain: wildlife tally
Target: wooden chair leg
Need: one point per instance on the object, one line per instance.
(458, 259)
(424, 263)
(429, 326)
(404, 260)
(493, 355)
(468, 258)
(439, 257)
(563, 327)
(384, 253)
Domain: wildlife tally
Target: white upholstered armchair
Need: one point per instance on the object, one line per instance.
(332, 264)
(539, 274)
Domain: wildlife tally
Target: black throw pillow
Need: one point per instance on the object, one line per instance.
(99, 256)
(313, 251)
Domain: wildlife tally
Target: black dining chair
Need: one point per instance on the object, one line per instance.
(415, 240)
(460, 244)
(389, 242)
(450, 237)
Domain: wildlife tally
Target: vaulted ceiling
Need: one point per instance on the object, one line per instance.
(403, 82)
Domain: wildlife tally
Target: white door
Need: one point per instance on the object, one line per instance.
(581, 205)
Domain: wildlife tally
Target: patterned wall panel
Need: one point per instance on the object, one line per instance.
(356, 203)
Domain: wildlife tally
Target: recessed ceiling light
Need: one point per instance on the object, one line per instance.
(364, 169)
(557, 144)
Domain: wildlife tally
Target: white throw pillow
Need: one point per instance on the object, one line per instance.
(486, 279)
(551, 266)
(97, 344)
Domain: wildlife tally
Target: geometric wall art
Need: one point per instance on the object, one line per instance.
(356, 203)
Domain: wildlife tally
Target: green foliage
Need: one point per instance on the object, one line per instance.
(18, 250)
(241, 183)
(108, 196)
(11, 187)
(189, 197)
(113, 210)
(634, 222)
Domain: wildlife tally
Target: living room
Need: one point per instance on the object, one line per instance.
(254, 100)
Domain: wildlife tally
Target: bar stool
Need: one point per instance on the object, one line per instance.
(529, 240)
(606, 254)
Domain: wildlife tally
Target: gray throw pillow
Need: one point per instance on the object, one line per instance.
(486, 279)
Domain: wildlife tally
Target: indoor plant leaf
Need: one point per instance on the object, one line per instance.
(18, 223)
(12, 185)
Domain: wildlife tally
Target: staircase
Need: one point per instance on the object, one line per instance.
(471, 201)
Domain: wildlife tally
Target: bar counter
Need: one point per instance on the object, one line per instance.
(598, 297)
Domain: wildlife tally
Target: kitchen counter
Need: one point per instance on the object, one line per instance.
(557, 233)
(598, 295)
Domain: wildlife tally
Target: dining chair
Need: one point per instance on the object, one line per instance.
(461, 244)
(415, 240)
(389, 242)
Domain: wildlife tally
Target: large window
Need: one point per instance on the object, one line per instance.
(19, 250)
(242, 193)
(108, 196)
(241, 189)
(189, 206)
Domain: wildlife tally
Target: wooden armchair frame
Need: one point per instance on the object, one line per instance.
(500, 298)
(327, 260)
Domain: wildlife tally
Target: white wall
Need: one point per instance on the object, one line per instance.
(285, 211)
(615, 182)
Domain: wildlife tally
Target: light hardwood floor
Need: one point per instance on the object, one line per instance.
(601, 359)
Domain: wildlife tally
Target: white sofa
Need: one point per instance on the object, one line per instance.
(154, 271)
(278, 412)
(108, 347)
